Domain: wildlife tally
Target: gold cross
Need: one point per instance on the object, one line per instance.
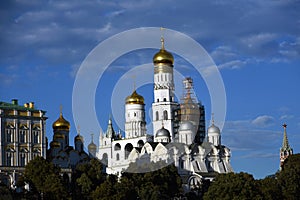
(60, 109)
(78, 129)
(92, 135)
(162, 38)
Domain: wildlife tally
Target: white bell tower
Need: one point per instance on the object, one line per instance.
(135, 123)
(164, 101)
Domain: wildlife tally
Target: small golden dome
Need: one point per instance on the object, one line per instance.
(61, 123)
(163, 56)
(79, 138)
(135, 98)
(92, 146)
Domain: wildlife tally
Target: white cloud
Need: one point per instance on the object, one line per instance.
(235, 37)
(263, 121)
(286, 117)
(234, 64)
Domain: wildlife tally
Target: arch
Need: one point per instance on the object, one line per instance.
(128, 149)
(104, 158)
(140, 143)
(22, 136)
(117, 147)
(22, 160)
(147, 148)
(194, 182)
(35, 137)
(117, 156)
(156, 116)
(165, 115)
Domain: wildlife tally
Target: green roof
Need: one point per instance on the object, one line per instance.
(12, 106)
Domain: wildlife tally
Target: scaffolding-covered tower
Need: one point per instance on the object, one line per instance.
(192, 110)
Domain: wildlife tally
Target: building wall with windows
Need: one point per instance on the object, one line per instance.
(23, 136)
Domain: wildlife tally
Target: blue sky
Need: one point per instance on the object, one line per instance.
(255, 44)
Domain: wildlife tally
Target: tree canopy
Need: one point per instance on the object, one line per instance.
(284, 185)
(43, 178)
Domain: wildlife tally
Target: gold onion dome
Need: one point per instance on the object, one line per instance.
(79, 138)
(135, 98)
(92, 146)
(61, 123)
(163, 56)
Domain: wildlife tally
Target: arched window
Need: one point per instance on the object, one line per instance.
(156, 116)
(165, 115)
(22, 136)
(128, 149)
(8, 136)
(22, 159)
(8, 159)
(35, 137)
(140, 143)
(104, 158)
(117, 156)
(117, 147)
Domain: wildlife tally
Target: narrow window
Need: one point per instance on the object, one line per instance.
(156, 116)
(165, 115)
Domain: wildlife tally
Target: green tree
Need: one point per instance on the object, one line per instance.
(43, 178)
(270, 188)
(234, 187)
(107, 190)
(5, 193)
(86, 178)
(289, 177)
(164, 183)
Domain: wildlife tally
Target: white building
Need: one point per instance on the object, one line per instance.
(178, 133)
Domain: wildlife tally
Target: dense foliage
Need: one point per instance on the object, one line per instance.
(283, 185)
(90, 182)
(44, 180)
(164, 183)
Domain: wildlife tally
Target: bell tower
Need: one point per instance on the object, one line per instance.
(164, 104)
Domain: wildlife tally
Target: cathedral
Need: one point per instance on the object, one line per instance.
(179, 133)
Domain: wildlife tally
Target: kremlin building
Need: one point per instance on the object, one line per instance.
(179, 136)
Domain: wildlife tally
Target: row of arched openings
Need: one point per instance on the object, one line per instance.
(165, 115)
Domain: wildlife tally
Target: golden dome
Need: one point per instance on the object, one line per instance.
(79, 138)
(92, 146)
(135, 98)
(163, 56)
(61, 123)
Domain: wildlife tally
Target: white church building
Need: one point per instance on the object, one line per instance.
(179, 133)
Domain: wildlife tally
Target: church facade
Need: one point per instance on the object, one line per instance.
(179, 133)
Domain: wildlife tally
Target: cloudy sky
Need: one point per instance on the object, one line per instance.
(255, 45)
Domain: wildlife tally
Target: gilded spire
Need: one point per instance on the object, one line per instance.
(285, 142)
(60, 110)
(92, 137)
(78, 130)
(162, 38)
